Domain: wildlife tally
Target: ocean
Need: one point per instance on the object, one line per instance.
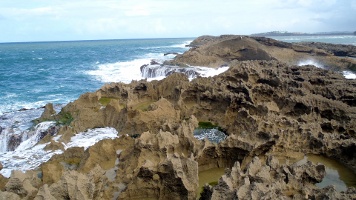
(35, 73)
(334, 39)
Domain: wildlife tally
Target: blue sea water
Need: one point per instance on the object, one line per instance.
(33, 74)
(334, 39)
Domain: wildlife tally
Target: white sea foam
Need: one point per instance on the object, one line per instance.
(210, 72)
(120, 71)
(349, 75)
(30, 155)
(126, 71)
(182, 45)
(310, 62)
(157, 72)
(30, 138)
(213, 135)
(90, 137)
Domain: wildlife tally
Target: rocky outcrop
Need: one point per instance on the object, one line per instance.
(75, 185)
(217, 51)
(265, 107)
(335, 49)
(48, 112)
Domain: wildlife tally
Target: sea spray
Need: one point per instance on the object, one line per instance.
(30, 155)
(310, 62)
(31, 138)
(349, 75)
(160, 72)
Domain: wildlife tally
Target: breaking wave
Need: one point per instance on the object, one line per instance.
(310, 62)
(29, 155)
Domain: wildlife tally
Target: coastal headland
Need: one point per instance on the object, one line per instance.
(272, 111)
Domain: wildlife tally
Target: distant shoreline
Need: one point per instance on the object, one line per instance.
(281, 33)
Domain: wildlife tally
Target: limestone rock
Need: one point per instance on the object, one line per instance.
(278, 183)
(48, 112)
(72, 185)
(266, 106)
(23, 184)
(9, 195)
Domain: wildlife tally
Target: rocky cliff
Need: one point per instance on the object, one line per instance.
(267, 106)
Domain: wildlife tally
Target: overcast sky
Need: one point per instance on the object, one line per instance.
(52, 20)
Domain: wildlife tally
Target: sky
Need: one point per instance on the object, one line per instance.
(61, 20)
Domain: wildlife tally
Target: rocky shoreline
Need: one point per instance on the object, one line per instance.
(265, 104)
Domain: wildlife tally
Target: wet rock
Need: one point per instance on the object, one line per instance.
(153, 62)
(13, 142)
(170, 53)
(1, 129)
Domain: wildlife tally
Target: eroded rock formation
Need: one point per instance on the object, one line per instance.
(266, 107)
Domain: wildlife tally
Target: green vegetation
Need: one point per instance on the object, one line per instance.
(65, 118)
(105, 100)
(213, 183)
(209, 125)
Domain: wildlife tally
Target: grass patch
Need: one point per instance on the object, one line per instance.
(105, 100)
(65, 118)
(209, 125)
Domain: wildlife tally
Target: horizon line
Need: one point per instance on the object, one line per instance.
(87, 40)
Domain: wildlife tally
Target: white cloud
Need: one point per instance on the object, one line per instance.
(22, 13)
(101, 19)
